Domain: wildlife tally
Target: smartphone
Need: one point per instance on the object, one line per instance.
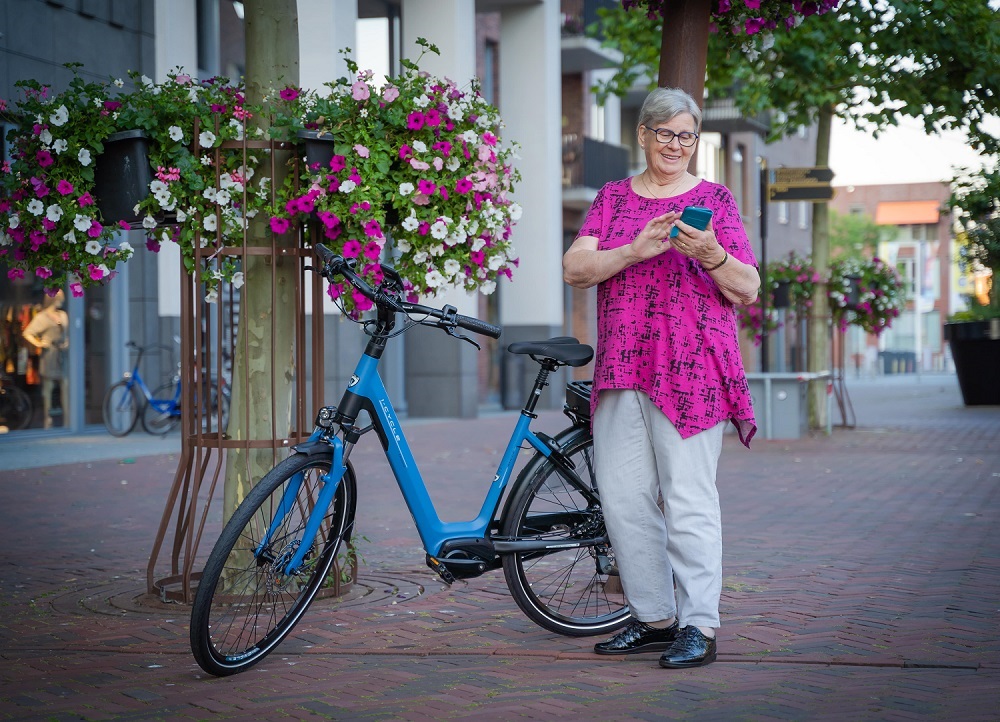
(696, 216)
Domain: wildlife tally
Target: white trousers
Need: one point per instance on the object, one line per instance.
(670, 560)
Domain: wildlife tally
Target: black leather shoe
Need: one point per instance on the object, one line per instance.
(638, 637)
(691, 648)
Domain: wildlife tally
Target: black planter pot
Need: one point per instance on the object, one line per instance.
(782, 296)
(122, 175)
(853, 292)
(975, 349)
(319, 147)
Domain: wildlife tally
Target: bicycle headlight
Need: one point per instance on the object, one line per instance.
(324, 418)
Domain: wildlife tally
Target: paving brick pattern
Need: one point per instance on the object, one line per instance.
(862, 578)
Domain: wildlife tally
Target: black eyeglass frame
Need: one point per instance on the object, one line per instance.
(658, 131)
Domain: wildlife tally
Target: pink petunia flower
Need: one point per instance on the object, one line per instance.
(415, 120)
(338, 163)
(76, 288)
(280, 225)
(372, 250)
(373, 229)
(390, 93)
(96, 274)
(15, 273)
(64, 187)
(361, 150)
(289, 93)
(43, 272)
(360, 91)
(152, 245)
(44, 158)
(85, 199)
(351, 249)
(95, 229)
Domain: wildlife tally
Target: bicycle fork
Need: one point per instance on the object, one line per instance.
(330, 481)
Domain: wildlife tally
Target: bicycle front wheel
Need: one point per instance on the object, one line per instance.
(15, 408)
(121, 408)
(161, 415)
(246, 603)
(571, 591)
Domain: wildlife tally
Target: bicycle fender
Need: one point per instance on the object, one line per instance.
(313, 448)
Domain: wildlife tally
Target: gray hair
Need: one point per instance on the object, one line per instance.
(662, 104)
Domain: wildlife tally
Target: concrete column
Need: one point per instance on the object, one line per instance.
(325, 28)
(530, 104)
(441, 374)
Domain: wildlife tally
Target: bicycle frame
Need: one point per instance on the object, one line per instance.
(367, 391)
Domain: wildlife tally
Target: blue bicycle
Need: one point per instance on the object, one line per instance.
(276, 550)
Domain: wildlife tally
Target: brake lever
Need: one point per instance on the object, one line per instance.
(450, 330)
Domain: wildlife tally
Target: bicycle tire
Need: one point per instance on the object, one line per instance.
(566, 591)
(120, 409)
(160, 415)
(16, 408)
(238, 620)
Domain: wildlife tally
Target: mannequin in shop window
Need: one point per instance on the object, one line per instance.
(49, 332)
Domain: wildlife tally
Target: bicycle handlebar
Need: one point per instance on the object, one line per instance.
(448, 316)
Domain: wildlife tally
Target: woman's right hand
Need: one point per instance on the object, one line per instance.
(654, 238)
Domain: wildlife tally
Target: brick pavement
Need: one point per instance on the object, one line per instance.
(862, 573)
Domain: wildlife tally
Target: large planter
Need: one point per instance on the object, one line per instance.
(122, 175)
(975, 349)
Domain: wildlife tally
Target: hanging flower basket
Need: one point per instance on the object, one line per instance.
(319, 147)
(122, 175)
(782, 297)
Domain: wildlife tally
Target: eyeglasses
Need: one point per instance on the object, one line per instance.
(685, 138)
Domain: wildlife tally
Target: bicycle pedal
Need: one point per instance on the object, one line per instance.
(441, 569)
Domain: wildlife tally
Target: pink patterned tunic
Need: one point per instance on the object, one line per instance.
(664, 327)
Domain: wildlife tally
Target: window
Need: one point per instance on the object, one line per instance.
(489, 86)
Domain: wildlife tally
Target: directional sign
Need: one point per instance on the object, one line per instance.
(797, 177)
(815, 193)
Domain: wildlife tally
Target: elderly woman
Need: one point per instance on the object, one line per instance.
(667, 378)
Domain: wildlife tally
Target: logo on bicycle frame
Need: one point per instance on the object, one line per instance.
(354, 380)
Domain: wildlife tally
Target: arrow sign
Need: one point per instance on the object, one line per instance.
(814, 193)
(798, 177)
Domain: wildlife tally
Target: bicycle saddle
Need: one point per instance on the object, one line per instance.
(564, 349)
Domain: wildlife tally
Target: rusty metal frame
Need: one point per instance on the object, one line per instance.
(204, 346)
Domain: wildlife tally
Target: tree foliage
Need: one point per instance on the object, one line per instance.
(870, 62)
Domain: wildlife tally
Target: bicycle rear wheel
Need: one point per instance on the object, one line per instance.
(161, 415)
(571, 591)
(246, 603)
(120, 410)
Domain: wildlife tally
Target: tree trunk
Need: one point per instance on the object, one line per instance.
(684, 46)
(263, 369)
(684, 50)
(819, 316)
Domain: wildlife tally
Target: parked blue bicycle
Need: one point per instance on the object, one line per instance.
(279, 545)
(130, 399)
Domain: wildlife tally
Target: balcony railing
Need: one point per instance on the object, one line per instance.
(588, 164)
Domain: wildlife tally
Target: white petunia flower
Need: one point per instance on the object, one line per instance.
(410, 223)
(223, 198)
(60, 145)
(93, 247)
(210, 223)
(434, 279)
(436, 250)
(37, 208)
(439, 230)
(83, 156)
(209, 194)
(451, 267)
(212, 296)
(54, 213)
(157, 186)
(46, 137)
(488, 287)
(126, 247)
(419, 146)
(497, 261)
(420, 257)
(181, 216)
(347, 186)
(515, 211)
(149, 222)
(470, 137)
(81, 222)
(13, 221)
(146, 80)
(237, 127)
(206, 160)
(175, 133)
(405, 189)
(403, 245)
(237, 279)
(69, 237)
(452, 163)
(206, 139)
(60, 116)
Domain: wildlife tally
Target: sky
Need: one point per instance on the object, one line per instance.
(903, 154)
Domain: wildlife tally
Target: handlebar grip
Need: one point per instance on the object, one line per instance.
(324, 254)
(477, 326)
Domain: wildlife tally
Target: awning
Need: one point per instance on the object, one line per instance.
(907, 213)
